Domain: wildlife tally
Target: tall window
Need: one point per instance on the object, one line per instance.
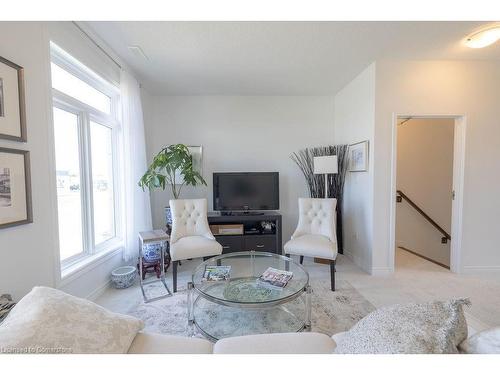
(86, 128)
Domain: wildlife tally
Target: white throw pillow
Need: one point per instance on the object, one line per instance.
(47, 320)
(415, 328)
(484, 342)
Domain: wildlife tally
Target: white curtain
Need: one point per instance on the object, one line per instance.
(136, 201)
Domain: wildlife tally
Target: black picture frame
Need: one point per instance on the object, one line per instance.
(27, 181)
(22, 103)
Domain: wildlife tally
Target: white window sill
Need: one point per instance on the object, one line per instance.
(84, 265)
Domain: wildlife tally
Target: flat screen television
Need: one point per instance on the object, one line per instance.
(246, 191)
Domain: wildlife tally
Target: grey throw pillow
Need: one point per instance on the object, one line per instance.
(414, 328)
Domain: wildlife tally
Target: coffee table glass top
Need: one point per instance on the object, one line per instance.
(242, 289)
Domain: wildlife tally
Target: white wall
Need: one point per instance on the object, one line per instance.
(354, 122)
(425, 175)
(241, 133)
(28, 253)
(470, 88)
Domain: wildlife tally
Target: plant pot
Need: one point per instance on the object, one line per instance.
(168, 219)
(151, 253)
(123, 277)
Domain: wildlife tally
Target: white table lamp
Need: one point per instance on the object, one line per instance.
(326, 165)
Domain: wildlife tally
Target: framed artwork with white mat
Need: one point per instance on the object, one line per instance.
(197, 155)
(358, 157)
(12, 105)
(15, 188)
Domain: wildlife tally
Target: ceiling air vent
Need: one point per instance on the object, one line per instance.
(138, 52)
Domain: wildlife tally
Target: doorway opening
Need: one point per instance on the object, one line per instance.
(428, 155)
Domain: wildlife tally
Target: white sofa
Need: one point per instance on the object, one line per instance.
(47, 318)
(50, 321)
(278, 343)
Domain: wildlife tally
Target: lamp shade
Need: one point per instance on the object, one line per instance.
(325, 164)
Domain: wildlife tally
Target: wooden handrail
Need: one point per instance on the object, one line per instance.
(421, 212)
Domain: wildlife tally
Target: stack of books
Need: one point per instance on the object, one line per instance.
(275, 278)
(216, 273)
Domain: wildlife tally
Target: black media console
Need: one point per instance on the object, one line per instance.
(254, 238)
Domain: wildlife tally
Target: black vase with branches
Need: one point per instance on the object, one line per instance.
(316, 183)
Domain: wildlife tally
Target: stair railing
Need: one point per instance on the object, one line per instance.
(400, 195)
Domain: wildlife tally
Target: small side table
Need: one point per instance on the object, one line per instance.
(149, 237)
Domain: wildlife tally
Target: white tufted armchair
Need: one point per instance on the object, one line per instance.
(315, 235)
(191, 236)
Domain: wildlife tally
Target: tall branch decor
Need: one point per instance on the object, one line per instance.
(316, 183)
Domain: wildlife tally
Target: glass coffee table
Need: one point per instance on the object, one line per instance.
(241, 306)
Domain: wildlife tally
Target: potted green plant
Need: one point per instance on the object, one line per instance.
(172, 166)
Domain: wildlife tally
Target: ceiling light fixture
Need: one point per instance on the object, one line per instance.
(483, 38)
(138, 52)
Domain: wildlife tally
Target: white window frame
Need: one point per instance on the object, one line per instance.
(86, 114)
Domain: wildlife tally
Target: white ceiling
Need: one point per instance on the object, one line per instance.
(276, 58)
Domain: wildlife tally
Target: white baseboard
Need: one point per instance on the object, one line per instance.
(99, 291)
(351, 256)
(484, 270)
(357, 260)
(381, 271)
(374, 271)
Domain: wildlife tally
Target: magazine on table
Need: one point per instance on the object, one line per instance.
(275, 278)
(216, 273)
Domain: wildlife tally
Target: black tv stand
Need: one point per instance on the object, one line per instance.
(241, 213)
(251, 240)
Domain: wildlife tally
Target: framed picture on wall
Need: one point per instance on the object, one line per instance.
(15, 188)
(197, 154)
(12, 107)
(358, 157)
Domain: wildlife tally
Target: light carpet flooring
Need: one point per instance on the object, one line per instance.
(415, 280)
(329, 314)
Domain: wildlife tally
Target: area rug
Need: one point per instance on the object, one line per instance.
(332, 312)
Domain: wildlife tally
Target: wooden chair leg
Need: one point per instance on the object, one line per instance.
(158, 270)
(174, 275)
(332, 274)
(301, 259)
